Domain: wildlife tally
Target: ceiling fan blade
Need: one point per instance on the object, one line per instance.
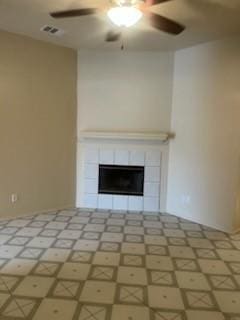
(73, 13)
(112, 36)
(165, 24)
(154, 2)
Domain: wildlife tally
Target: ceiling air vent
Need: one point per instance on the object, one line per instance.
(54, 31)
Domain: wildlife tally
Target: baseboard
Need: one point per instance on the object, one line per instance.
(236, 230)
(216, 227)
(34, 213)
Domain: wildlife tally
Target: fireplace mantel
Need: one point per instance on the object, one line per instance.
(137, 136)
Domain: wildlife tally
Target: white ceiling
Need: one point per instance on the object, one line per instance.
(205, 20)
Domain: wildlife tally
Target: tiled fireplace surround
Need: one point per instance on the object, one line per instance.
(153, 155)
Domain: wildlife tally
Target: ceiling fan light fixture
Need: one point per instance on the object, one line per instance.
(124, 16)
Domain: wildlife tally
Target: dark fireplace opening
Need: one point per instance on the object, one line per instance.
(121, 180)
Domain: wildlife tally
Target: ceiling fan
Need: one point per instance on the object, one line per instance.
(125, 13)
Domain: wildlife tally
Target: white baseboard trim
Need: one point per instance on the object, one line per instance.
(216, 227)
(34, 213)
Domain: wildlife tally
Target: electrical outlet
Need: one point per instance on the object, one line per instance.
(185, 199)
(14, 197)
(188, 199)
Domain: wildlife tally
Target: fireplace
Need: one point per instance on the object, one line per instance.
(121, 180)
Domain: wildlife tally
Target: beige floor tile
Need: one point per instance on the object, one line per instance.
(132, 275)
(69, 234)
(228, 301)
(133, 260)
(215, 235)
(204, 315)
(133, 248)
(112, 237)
(159, 262)
(19, 267)
(132, 294)
(116, 222)
(102, 273)
(229, 255)
(67, 289)
(213, 266)
(34, 286)
(165, 297)
(152, 224)
(161, 278)
(3, 298)
(98, 292)
(9, 252)
(106, 258)
(29, 232)
(192, 280)
(174, 233)
(190, 226)
(94, 227)
(126, 312)
(86, 245)
(93, 312)
(76, 271)
(19, 223)
(222, 282)
(56, 309)
(41, 242)
(134, 230)
(4, 238)
(46, 268)
(52, 254)
(155, 240)
(19, 308)
(200, 243)
(200, 300)
(181, 252)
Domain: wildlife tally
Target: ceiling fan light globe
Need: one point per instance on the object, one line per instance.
(124, 16)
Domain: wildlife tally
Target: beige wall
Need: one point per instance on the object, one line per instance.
(37, 125)
(129, 91)
(204, 167)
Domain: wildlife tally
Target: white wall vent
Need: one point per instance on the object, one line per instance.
(54, 31)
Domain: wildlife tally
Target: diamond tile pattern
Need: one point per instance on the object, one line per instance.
(109, 265)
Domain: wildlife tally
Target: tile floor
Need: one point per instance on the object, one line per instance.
(103, 265)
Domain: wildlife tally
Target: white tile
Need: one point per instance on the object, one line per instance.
(135, 203)
(152, 174)
(105, 201)
(121, 157)
(106, 156)
(90, 200)
(153, 158)
(91, 171)
(151, 204)
(120, 202)
(137, 158)
(151, 189)
(91, 186)
(91, 155)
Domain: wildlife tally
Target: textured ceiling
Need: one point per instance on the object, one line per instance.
(205, 20)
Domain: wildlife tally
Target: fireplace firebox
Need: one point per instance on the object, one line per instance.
(121, 180)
